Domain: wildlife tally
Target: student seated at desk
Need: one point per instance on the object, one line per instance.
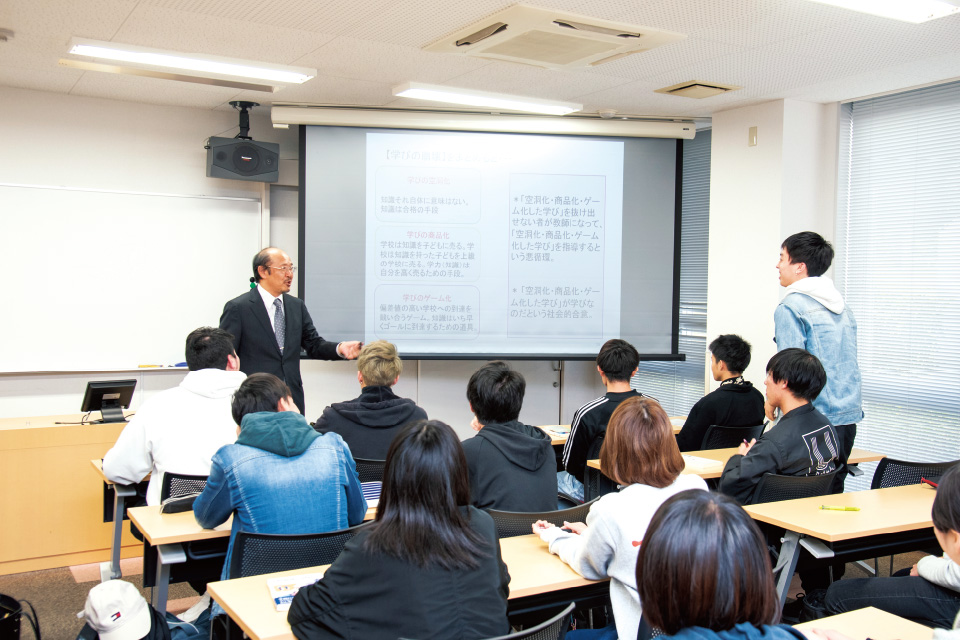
(429, 567)
(930, 594)
(735, 403)
(511, 464)
(369, 423)
(180, 429)
(802, 444)
(281, 476)
(639, 452)
(703, 573)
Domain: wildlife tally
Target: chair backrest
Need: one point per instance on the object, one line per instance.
(370, 470)
(774, 488)
(595, 484)
(516, 523)
(258, 553)
(180, 484)
(720, 437)
(900, 473)
(552, 629)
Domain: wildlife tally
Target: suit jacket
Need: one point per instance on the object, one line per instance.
(246, 318)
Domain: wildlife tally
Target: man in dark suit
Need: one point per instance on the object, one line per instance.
(265, 318)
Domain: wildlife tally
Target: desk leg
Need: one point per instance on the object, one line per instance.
(112, 569)
(167, 554)
(787, 564)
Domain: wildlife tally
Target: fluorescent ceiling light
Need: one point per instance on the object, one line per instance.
(196, 62)
(437, 93)
(915, 11)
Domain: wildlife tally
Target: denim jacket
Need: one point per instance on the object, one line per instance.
(306, 483)
(801, 321)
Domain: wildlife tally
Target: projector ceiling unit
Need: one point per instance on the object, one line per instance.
(551, 39)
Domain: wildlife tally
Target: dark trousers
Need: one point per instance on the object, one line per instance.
(910, 597)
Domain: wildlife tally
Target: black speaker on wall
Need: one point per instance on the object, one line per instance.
(239, 159)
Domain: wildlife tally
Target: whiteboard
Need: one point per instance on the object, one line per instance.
(100, 280)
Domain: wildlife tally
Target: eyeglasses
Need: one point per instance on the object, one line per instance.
(285, 269)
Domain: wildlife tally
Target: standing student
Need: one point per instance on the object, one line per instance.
(269, 327)
(640, 453)
(735, 403)
(429, 567)
(813, 316)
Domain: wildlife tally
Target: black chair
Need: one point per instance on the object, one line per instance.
(775, 488)
(720, 437)
(370, 470)
(175, 485)
(259, 553)
(595, 484)
(552, 629)
(646, 632)
(516, 523)
(900, 473)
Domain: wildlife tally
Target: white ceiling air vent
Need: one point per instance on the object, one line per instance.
(697, 89)
(551, 39)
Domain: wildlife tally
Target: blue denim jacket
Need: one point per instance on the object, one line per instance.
(803, 322)
(313, 492)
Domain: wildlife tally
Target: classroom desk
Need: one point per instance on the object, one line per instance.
(533, 571)
(710, 463)
(870, 622)
(117, 495)
(167, 532)
(882, 511)
(559, 432)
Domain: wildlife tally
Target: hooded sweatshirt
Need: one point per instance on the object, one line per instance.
(369, 423)
(742, 631)
(177, 430)
(512, 468)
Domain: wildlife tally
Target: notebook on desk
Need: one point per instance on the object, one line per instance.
(371, 492)
(283, 589)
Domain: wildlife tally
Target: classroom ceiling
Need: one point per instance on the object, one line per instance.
(362, 48)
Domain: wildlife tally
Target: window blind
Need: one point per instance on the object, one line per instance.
(898, 250)
(678, 385)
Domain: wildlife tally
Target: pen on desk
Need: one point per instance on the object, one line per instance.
(825, 507)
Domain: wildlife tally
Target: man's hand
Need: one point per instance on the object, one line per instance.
(746, 446)
(914, 571)
(542, 525)
(769, 411)
(350, 350)
(576, 527)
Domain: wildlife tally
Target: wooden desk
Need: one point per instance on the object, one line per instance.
(871, 622)
(533, 570)
(882, 511)
(558, 433)
(115, 494)
(46, 464)
(167, 532)
(720, 456)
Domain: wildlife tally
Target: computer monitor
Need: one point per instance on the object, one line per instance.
(109, 397)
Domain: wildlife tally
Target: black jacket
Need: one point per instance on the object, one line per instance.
(589, 421)
(731, 405)
(512, 468)
(369, 423)
(802, 444)
(246, 318)
(373, 596)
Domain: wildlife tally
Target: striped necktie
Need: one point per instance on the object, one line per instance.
(279, 326)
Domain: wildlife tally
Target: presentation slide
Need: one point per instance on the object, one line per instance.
(489, 245)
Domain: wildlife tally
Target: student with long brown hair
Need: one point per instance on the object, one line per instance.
(640, 454)
(429, 567)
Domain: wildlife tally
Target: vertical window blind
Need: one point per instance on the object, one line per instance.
(898, 247)
(678, 385)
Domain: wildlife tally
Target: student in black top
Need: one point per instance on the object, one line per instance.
(803, 443)
(617, 362)
(736, 403)
(512, 466)
(429, 566)
(368, 423)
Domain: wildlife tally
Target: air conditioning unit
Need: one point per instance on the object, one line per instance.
(551, 39)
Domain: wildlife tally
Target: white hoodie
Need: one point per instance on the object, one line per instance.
(821, 289)
(177, 430)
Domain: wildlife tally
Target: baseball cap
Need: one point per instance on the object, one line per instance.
(116, 611)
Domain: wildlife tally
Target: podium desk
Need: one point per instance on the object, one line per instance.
(883, 514)
(533, 571)
(870, 622)
(168, 532)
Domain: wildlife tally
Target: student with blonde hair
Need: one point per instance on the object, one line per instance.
(369, 422)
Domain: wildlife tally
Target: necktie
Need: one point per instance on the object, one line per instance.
(279, 326)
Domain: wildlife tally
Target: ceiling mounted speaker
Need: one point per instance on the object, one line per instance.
(238, 159)
(551, 39)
